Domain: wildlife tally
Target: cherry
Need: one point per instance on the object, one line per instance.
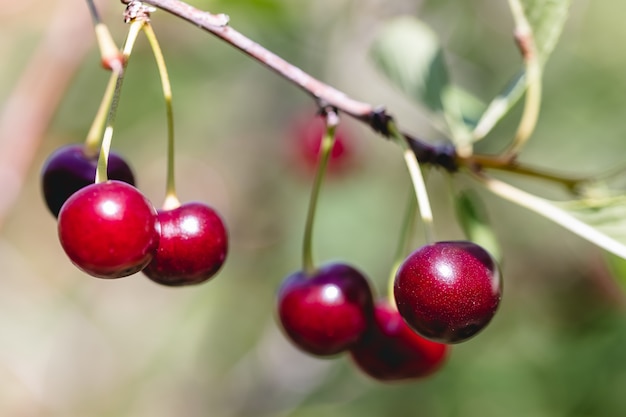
(192, 246)
(448, 291)
(392, 351)
(305, 146)
(325, 313)
(109, 229)
(68, 169)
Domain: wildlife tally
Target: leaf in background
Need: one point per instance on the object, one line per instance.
(408, 53)
(617, 266)
(546, 19)
(472, 216)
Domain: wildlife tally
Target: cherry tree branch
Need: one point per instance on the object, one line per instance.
(325, 95)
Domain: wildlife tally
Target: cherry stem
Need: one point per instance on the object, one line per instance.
(404, 243)
(417, 179)
(326, 146)
(93, 11)
(171, 199)
(526, 43)
(94, 136)
(101, 171)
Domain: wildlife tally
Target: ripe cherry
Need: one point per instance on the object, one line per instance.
(448, 291)
(392, 351)
(305, 139)
(192, 247)
(68, 169)
(109, 229)
(326, 313)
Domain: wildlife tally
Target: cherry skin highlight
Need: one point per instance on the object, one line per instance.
(192, 247)
(68, 169)
(326, 313)
(448, 291)
(392, 351)
(109, 229)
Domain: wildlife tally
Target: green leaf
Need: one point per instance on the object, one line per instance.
(472, 216)
(407, 51)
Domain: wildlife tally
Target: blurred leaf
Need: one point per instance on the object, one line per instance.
(472, 216)
(617, 266)
(546, 19)
(408, 53)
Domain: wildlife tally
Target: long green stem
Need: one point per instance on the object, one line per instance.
(328, 141)
(101, 171)
(532, 103)
(419, 184)
(171, 199)
(404, 241)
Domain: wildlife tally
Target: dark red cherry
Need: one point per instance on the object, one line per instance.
(192, 247)
(68, 169)
(392, 351)
(448, 291)
(326, 313)
(109, 229)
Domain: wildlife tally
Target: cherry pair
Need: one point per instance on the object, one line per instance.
(445, 293)
(111, 230)
(332, 311)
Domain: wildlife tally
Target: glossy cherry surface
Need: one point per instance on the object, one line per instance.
(192, 247)
(392, 351)
(109, 229)
(68, 169)
(326, 313)
(448, 291)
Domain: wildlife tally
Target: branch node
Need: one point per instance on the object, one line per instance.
(379, 120)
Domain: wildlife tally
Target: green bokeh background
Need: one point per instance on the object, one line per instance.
(72, 345)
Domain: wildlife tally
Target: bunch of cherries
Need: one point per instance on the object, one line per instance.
(443, 293)
(111, 230)
(106, 226)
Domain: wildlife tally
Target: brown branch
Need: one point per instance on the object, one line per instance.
(217, 25)
(325, 95)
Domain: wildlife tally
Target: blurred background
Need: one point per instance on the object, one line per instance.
(73, 345)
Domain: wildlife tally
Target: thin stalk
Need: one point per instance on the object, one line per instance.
(93, 11)
(419, 184)
(404, 242)
(101, 171)
(526, 42)
(328, 141)
(171, 199)
(550, 211)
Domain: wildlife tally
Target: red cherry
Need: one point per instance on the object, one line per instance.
(448, 291)
(326, 313)
(68, 169)
(192, 247)
(109, 229)
(392, 351)
(305, 138)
